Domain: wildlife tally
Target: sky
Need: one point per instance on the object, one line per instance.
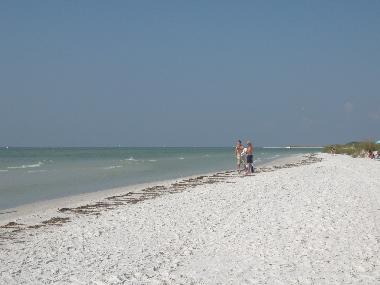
(188, 73)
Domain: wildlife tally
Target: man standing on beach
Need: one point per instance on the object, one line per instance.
(238, 150)
(249, 157)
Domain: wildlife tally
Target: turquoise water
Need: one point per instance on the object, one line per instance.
(34, 174)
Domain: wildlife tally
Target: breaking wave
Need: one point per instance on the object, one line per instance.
(37, 171)
(39, 164)
(112, 167)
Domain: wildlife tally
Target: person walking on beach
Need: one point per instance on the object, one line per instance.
(249, 157)
(238, 150)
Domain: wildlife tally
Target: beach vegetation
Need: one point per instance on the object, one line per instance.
(355, 149)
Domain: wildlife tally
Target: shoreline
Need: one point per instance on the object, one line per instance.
(315, 221)
(27, 213)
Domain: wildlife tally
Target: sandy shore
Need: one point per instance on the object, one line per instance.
(304, 222)
(37, 212)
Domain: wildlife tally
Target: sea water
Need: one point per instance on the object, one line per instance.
(35, 174)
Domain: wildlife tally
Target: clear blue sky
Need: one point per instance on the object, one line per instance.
(198, 73)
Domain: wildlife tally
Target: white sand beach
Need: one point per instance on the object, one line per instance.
(315, 221)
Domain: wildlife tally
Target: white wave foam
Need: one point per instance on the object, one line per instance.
(3, 170)
(131, 159)
(152, 160)
(181, 158)
(273, 157)
(26, 166)
(37, 171)
(112, 167)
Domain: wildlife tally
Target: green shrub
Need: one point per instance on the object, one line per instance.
(354, 149)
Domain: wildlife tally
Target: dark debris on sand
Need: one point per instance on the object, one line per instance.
(176, 187)
(9, 230)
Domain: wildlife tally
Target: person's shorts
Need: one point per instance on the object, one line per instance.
(250, 158)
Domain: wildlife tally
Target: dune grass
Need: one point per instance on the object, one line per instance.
(354, 149)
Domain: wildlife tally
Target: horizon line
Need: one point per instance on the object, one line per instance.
(164, 146)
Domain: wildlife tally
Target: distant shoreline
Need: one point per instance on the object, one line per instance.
(294, 147)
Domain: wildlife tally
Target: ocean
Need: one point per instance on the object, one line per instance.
(35, 174)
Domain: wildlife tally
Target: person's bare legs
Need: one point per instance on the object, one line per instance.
(238, 151)
(249, 169)
(249, 157)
